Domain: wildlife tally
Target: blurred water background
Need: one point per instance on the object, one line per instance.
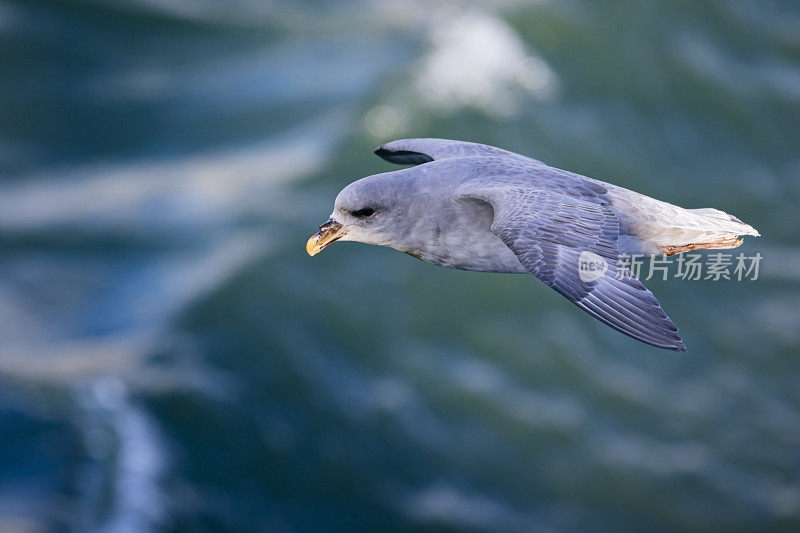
(171, 359)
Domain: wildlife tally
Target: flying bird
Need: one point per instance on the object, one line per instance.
(476, 207)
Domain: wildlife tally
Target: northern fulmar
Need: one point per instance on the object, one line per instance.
(476, 207)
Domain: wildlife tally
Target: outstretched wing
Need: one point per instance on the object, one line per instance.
(554, 227)
(418, 151)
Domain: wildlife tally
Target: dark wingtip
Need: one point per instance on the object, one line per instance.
(673, 341)
(675, 344)
(402, 157)
(677, 347)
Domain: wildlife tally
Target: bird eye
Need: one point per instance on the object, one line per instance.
(363, 213)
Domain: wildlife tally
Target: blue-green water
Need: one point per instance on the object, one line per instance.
(171, 359)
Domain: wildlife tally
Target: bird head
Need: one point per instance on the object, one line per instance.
(366, 211)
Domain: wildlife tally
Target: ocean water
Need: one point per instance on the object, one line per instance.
(172, 360)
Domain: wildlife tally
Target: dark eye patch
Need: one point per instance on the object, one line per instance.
(363, 213)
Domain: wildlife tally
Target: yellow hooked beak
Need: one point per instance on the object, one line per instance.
(328, 232)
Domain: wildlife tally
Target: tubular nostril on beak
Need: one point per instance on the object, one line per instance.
(329, 232)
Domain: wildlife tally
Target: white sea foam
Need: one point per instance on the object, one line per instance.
(148, 194)
(754, 78)
(477, 60)
(125, 450)
(198, 199)
(445, 504)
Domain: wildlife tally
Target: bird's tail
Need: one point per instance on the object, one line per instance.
(650, 226)
(706, 228)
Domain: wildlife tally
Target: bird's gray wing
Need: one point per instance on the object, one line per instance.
(549, 225)
(418, 151)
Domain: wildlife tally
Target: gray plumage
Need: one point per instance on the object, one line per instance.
(476, 207)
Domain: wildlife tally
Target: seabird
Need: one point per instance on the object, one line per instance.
(476, 207)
